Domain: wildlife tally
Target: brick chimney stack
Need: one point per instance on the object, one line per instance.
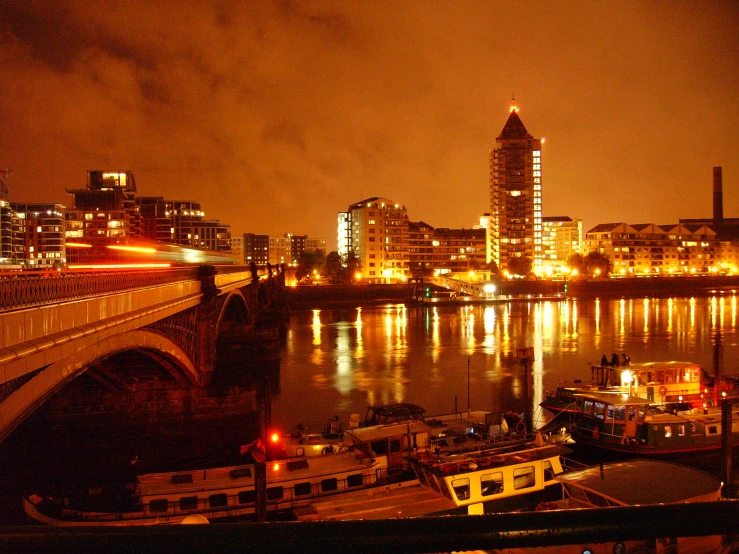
(718, 201)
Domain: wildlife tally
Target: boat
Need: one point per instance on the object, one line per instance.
(227, 493)
(633, 425)
(635, 482)
(669, 382)
(450, 431)
(515, 475)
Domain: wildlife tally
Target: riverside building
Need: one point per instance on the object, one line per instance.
(649, 249)
(515, 228)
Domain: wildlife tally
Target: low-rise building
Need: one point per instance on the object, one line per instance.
(650, 249)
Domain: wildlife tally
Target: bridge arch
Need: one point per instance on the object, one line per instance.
(48, 381)
(235, 310)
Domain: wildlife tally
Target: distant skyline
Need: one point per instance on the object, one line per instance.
(276, 116)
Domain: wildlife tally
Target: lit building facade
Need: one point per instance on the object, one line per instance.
(43, 234)
(102, 214)
(515, 195)
(649, 249)
(561, 236)
(237, 249)
(376, 231)
(11, 236)
(256, 249)
(315, 245)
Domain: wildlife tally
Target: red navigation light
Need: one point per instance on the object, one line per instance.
(274, 437)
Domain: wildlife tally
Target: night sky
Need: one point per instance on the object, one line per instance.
(278, 115)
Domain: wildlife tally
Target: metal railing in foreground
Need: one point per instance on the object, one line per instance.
(425, 534)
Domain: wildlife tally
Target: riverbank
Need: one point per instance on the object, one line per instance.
(349, 296)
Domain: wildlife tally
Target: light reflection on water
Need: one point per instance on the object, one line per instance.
(337, 362)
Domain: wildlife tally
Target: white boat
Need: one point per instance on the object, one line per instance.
(226, 492)
(638, 482)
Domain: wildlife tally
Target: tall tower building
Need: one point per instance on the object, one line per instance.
(515, 195)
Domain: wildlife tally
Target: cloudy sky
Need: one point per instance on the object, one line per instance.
(278, 115)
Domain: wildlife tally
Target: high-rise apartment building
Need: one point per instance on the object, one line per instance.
(515, 195)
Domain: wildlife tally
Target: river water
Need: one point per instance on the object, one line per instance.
(443, 357)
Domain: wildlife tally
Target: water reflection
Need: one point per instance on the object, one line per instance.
(340, 361)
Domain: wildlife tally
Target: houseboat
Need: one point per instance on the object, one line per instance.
(225, 493)
(633, 425)
(512, 476)
(636, 482)
(669, 382)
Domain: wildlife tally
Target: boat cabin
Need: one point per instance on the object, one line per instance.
(392, 413)
(492, 479)
(661, 382)
(632, 424)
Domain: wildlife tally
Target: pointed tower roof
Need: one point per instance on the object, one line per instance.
(514, 128)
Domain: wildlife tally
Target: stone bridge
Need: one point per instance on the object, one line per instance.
(196, 324)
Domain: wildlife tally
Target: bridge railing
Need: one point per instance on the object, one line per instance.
(25, 290)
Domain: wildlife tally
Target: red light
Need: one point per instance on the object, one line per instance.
(274, 437)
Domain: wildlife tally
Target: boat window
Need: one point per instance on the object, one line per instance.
(297, 464)
(275, 493)
(620, 413)
(491, 483)
(302, 489)
(575, 492)
(355, 480)
(461, 488)
(711, 429)
(240, 473)
(668, 431)
(681, 430)
(394, 446)
(182, 478)
(158, 506)
(218, 500)
(330, 485)
(524, 477)
(587, 406)
(189, 503)
(599, 409)
(632, 413)
(247, 497)
(379, 447)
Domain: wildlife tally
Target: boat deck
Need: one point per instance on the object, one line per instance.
(404, 500)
